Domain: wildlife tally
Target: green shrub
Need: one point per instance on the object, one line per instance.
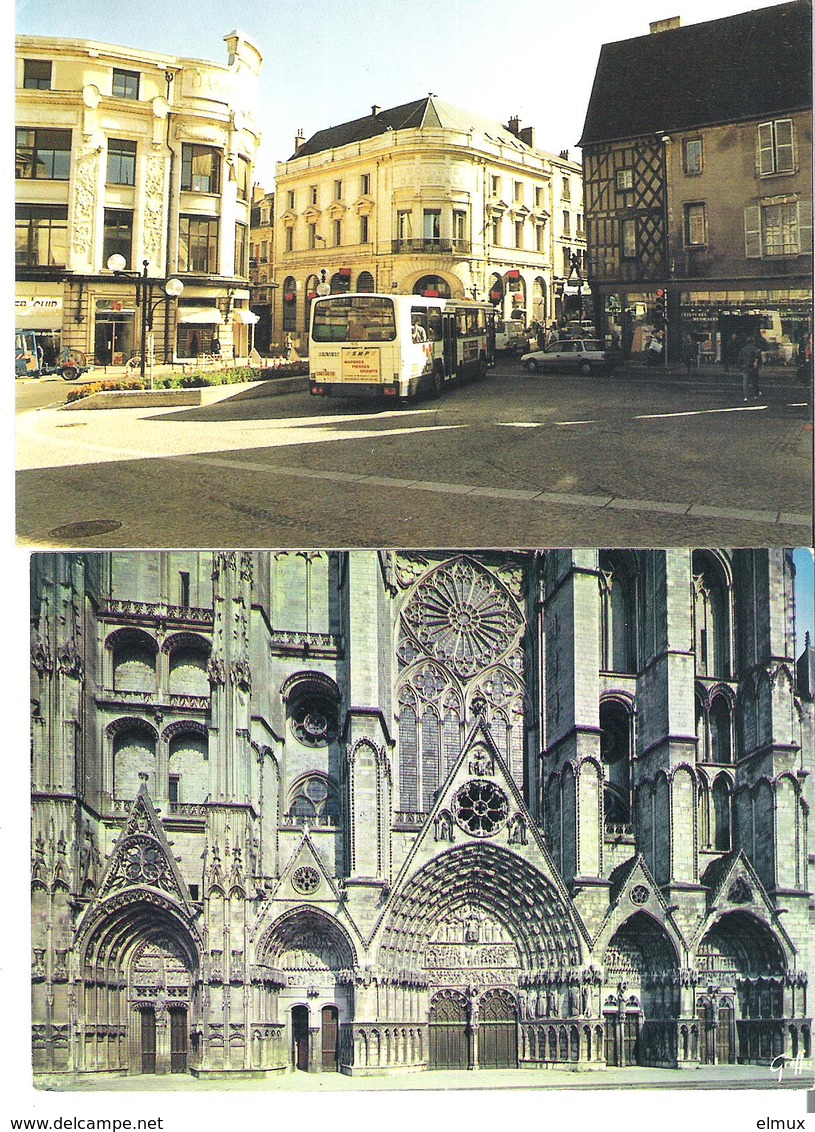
(195, 380)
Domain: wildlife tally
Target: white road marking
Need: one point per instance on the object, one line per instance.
(699, 412)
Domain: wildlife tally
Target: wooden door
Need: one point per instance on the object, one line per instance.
(498, 1033)
(448, 1033)
(612, 1043)
(631, 1034)
(705, 1050)
(148, 1041)
(724, 1036)
(299, 1037)
(178, 1040)
(331, 1027)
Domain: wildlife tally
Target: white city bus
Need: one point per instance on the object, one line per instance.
(364, 345)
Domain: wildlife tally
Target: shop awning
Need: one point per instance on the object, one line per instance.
(241, 314)
(200, 315)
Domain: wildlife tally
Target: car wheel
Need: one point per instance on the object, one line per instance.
(531, 366)
(585, 368)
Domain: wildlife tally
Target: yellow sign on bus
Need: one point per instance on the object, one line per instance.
(360, 364)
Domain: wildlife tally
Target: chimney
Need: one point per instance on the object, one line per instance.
(514, 125)
(299, 141)
(564, 155)
(656, 26)
(527, 134)
(375, 110)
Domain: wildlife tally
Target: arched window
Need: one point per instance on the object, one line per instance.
(433, 284)
(188, 767)
(134, 661)
(314, 800)
(712, 622)
(721, 730)
(722, 813)
(365, 283)
(615, 751)
(189, 658)
(618, 611)
(312, 283)
(290, 305)
(134, 753)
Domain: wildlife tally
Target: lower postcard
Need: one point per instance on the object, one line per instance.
(422, 819)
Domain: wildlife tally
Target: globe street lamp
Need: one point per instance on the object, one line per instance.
(144, 296)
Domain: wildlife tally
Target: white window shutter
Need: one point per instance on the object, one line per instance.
(784, 158)
(805, 227)
(765, 148)
(752, 232)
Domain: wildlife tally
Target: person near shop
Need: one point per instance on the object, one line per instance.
(749, 359)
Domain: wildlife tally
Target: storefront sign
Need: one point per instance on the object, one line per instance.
(36, 304)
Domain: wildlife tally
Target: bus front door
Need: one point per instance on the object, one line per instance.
(449, 343)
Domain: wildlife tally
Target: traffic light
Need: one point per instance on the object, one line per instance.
(660, 307)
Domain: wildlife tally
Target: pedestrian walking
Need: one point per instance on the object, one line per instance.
(690, 352)
(750, 366)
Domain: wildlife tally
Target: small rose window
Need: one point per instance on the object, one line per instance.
(480, 807)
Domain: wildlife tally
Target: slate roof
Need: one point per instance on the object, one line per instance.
(430, 111)
(754, 65)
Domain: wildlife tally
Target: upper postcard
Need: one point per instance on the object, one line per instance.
(255, 307)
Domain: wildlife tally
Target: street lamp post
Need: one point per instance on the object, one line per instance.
(172, 288)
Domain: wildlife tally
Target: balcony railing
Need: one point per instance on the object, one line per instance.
(431, 245)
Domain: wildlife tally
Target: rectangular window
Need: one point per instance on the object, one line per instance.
(404, 225)
(692, 155)
(118, 238)
(43, 155)
(173, 792)
(365, 185)
(358, 318)
(540, 246)
(459, 226)
(567, 226)
(264, 251)
(579, 223)
(518, 192)
(121, 162)
(291, 198)
(363, 229)
(338, 190)
(695, 225)
(567, 261)
(198, 244)
(41, 235)
(125, 84)
(37, 74)
(200, 169)
(779, 226)
(312, 236)
(336, 228)
(538, 196)
(625, 180)
(431, 219)
(244, 177)
(519, 233)
(313, 191)
(241, 236)
(496, 231)
(628, 233)
(775, 147)
(495, 185)
(290, 239)
(184, 588)
(567, 188)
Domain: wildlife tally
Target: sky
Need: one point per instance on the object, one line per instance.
(329, 61)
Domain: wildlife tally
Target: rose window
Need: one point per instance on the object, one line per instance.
(305, 879)
(462, 616)
(480, 807)
(144, 864)
(314, 721)
(639, 894)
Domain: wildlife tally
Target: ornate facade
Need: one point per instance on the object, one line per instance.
(383, 811)
(145, 156)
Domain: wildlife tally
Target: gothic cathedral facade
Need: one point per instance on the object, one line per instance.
(373, 811)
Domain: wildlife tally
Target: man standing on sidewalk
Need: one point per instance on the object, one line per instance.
(750, 365)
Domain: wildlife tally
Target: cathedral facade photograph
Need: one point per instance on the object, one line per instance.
(378, 812)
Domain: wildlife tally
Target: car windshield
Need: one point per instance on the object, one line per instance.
(587, 345)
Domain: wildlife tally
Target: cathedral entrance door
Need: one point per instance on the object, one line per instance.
(178, 1040)
(299, 1037)
(331, 1025)
(448, 1031)
(497, 1032)
(631, 1039)
(148, 1041)
(724, 1036)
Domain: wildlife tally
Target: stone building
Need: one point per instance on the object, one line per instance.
(261, 266)
(144, 156)
(698, 182)
(427, 197)
(376, 811)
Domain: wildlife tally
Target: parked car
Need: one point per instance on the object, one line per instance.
(586, 355)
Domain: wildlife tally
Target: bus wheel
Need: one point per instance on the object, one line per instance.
(437, 385)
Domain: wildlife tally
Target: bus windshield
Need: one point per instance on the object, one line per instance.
(354, 318)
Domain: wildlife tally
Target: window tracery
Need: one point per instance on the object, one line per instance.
(314, 800)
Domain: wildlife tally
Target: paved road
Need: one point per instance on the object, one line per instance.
(517, 460)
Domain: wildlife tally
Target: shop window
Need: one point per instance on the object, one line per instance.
(125, 84)
(43, 155)
(121, 169)
(37, 74)
(41, 235)
(200, 168)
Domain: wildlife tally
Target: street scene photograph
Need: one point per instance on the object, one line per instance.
(573, 310)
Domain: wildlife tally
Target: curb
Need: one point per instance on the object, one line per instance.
(205, 395)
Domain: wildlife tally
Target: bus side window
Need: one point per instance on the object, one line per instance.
(434, 324)
(418, 325)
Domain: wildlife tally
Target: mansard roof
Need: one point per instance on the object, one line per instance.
(429, 111)
(753, 65)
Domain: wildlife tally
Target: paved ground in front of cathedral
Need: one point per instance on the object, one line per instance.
(555, 460)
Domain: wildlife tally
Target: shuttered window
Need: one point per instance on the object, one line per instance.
(775, 147)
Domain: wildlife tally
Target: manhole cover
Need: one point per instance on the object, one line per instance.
(84, 530)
